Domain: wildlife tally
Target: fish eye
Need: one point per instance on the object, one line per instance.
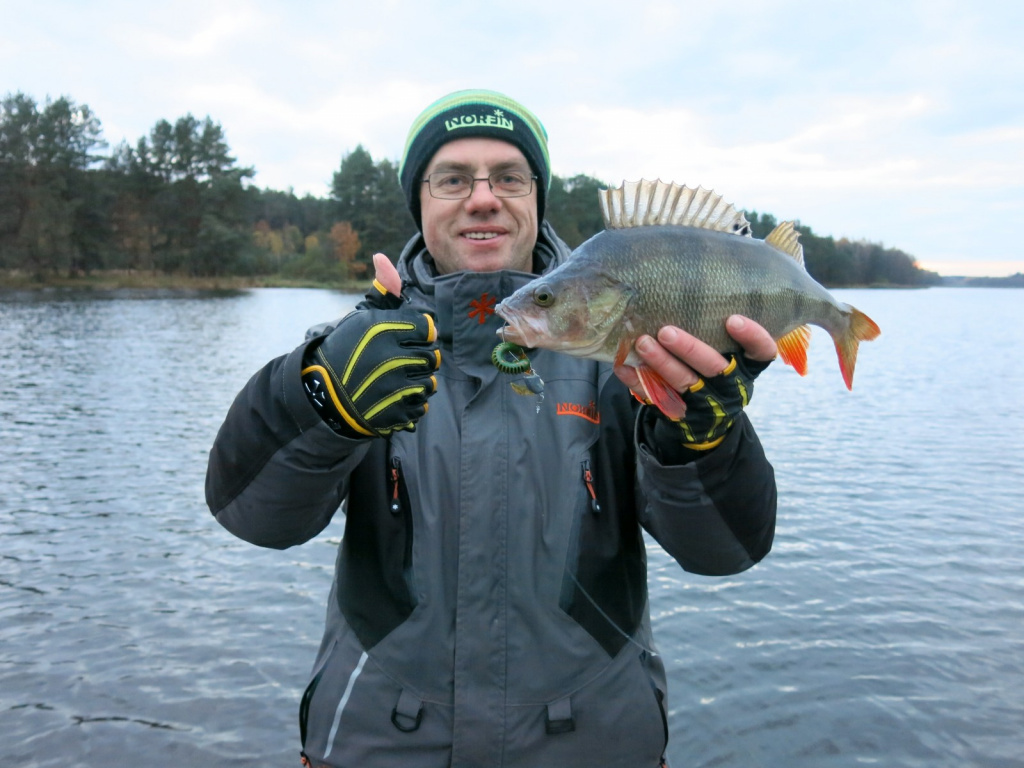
(543, 296)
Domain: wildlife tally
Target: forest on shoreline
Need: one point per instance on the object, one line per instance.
(176, 208)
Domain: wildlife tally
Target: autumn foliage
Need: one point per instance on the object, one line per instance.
(176, 202)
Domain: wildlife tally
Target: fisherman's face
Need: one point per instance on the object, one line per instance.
(481, 233)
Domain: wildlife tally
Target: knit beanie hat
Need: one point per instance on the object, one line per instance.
(465, 114)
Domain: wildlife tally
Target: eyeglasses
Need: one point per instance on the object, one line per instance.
(446, 185)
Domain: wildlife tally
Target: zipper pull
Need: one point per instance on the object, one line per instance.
(588, 478)
(396, 465)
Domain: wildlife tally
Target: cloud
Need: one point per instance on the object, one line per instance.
(209, 40)
(889, 122)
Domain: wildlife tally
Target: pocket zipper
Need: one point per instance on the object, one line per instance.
(588, 479)
(396, 474)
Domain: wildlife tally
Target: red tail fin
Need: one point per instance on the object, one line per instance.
(861, 328)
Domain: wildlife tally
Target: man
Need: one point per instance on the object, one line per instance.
(490, 600)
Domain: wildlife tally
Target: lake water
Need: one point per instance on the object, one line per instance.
(886, 628)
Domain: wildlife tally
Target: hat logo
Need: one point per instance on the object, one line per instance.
(496, 120)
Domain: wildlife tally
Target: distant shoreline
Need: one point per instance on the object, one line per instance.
(147, 282)
(1010, 281)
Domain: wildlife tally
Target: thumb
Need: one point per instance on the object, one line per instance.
(757, 343)
(386, 274)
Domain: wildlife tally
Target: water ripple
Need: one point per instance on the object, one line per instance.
(883, 629)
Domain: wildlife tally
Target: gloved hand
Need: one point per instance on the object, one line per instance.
(372, 375)
(712, 404)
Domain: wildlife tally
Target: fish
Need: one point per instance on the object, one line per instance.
(676, 255)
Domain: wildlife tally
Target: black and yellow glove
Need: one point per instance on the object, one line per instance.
(714, 403)
(372, 375)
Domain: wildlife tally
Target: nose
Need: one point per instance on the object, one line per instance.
(482, 199)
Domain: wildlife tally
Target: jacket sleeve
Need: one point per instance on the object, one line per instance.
(277, 473)
(715, 515)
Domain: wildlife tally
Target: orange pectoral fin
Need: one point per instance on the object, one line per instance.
(661, 394)
(793, 348)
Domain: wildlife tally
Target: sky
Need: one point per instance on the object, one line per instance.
(900, 123)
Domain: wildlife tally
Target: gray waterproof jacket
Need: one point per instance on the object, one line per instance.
(490, 600)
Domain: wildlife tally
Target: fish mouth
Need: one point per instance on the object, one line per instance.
(533, 332)
(519, 329)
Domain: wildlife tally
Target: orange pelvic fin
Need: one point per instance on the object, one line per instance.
(861, 328)
(661, 394)
(622, 351)
(793, 348)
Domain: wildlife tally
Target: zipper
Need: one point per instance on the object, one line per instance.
(659, 698)
(400, 506)
(588, 480)
(307, 697)
(396, 476)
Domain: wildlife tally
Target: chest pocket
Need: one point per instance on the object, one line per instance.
(604, 586)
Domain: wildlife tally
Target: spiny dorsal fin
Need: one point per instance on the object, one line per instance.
(650, 203)
(785, 238)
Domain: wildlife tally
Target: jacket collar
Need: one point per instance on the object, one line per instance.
(416, 266)
(463, 302)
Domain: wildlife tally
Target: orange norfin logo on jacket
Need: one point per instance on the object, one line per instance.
(588, 412)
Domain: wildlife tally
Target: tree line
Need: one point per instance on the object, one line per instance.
(177, 202)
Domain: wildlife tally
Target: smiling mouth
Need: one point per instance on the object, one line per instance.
(481, 235)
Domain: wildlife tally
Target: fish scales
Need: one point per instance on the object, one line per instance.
(694, 279)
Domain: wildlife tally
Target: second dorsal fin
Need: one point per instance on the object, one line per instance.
(785, 238)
